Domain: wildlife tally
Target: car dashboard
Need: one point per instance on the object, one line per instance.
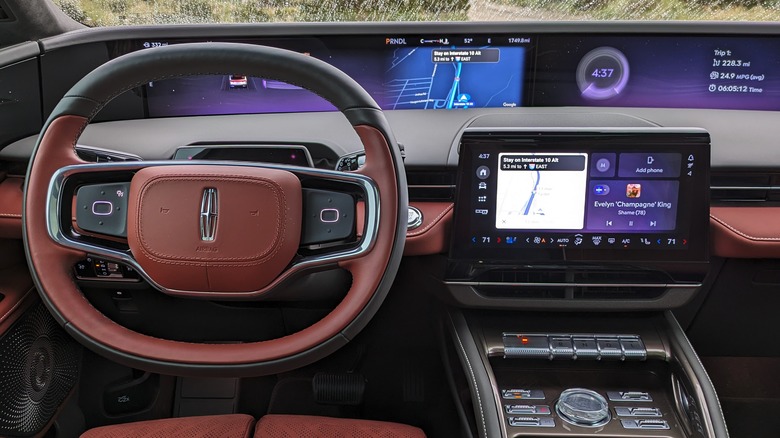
(567, 168)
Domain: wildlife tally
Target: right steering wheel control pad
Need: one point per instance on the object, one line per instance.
(327, 216)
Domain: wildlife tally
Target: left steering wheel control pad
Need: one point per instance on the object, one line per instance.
(102, 208)
(214, 228)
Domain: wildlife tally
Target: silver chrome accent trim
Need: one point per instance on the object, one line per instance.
(414, 218)
(56, 233)
(123, 156)
(582, 422)
(431, 186)
(744, 187)
(209, 211)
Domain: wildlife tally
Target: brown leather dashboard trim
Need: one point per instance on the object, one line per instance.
(745, 232)
(433, 235)
(11, 192)
(18, 295)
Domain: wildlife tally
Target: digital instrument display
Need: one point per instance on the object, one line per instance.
(276, 154)
(461, 72)
(409, 72)
(582, 196)
(658, 71)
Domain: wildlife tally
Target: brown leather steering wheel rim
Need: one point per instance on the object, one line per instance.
(51, 264)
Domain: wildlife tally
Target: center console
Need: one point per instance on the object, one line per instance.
(569, 247)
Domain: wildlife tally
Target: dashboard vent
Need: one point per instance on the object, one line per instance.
(98, 155)
(744, 187)
(431, 184)
(574, 284)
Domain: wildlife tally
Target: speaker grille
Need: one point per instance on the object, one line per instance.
(39, 365)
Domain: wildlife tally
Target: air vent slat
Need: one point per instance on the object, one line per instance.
(431, 184)
(744, 187)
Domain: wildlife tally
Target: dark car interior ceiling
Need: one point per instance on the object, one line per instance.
(587, 234)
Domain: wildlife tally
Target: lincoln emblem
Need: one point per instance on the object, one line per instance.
(208, 215)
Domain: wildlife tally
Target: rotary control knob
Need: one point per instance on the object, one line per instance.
(583, 407)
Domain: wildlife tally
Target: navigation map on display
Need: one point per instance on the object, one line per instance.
(454, 78)
(541, 191)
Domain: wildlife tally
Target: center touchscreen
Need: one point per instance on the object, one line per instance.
(596, 196)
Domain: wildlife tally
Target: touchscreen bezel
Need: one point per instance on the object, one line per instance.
(693, 199)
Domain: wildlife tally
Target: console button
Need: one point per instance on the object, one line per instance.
(528, 346)
(645, 424)
(522, 394)
(633, 349)
(585, 348)
(629, 396)
(102, 208)
(527, 409)
(609, 348)
(562, 348)
(328, 216)
(531, 422)
(637, 412)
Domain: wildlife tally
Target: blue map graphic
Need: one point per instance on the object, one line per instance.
(414, 81)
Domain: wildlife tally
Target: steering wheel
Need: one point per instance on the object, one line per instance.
(211, 230)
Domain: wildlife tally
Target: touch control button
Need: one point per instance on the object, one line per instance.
(609, 348)
(531, 422)
(562, 348)
(102, 208)
(527, 409)
(585, 348)
(645, 424)
(633, 349)
(532, 346)
(637, 412)
(328, 216)
(522, 394)
(629, 396)
(583, 407)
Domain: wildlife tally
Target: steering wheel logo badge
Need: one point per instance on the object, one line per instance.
(208, 215)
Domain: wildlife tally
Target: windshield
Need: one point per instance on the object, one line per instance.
(146, 12)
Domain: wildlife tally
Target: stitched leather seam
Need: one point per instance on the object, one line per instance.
(474, 382)
(249, 427)
(692, 352)
(746, 236)
(424, 230)
(11, 215)
(15, 306)
(226, 261)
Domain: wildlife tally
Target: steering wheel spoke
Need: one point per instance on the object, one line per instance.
(90, 206)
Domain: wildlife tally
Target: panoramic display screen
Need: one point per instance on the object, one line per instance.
(461, 72)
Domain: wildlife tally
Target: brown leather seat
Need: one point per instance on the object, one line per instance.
(211, 426)
(270, 426)
(303, 426)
